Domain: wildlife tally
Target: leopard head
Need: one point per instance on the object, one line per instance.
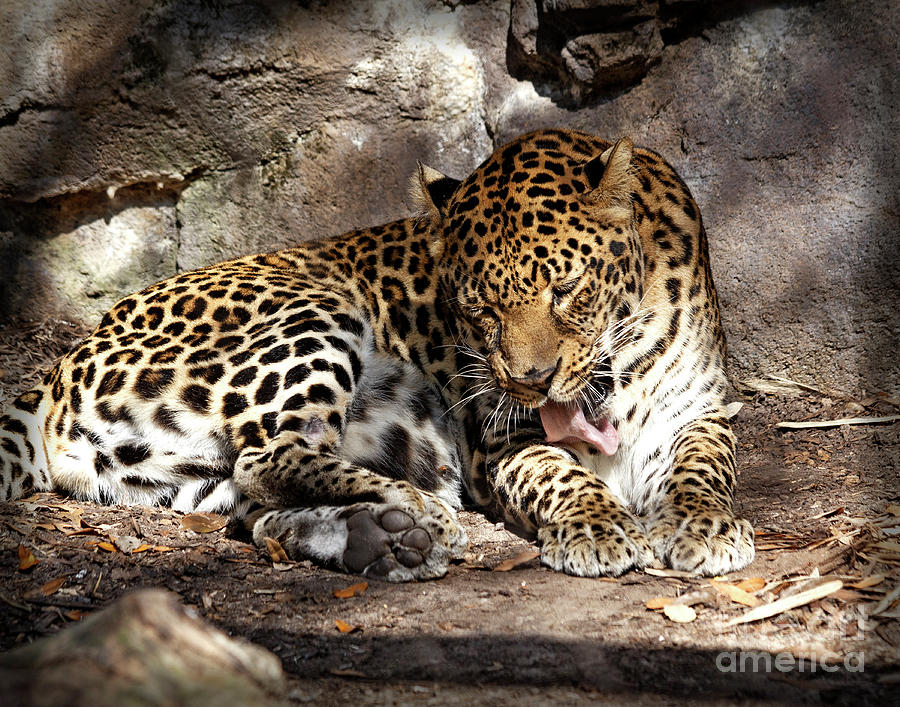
(539, 256)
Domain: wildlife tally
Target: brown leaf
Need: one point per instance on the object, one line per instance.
(109, 547)
(849, 595)
(751, 584)
(833, 511)
(656, 572)
(867, 582)
(85, 530)
(523, 558)
(659, 602)
(76, 615)
(351, 591)
(207, 600)
(52, 586)
(347, 673)
(735, 593)
(791, 602)
(27, 560)
(204, 522)
(276, 552)
(162, 548)
(126, 543)
(344, 627)
(143, 547)
(680, 613)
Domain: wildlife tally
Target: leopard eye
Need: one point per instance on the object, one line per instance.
(486, 321)
(480, 314)
(560, 291)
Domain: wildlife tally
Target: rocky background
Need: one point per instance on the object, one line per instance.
(140, 139)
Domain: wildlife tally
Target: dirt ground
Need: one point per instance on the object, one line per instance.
(825, 503)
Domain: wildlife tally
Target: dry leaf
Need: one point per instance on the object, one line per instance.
(680, 613)
(668, 573)
(204, 522)
(344, 627)
(815, 651)
(27, 560)
(52, 586)
(893, 509)
(347, 673)
(838, 423)
(276, 552)
(732, 409)
(849, 595)
(162, 548)
(143, 547)
(659, 602)
(86, 530)
(867, 582)
(126, 543)
(76, 615)
(833, 511)
(351, 591)
(735, 593)
(109, 547)
(886, 602)
(786, 603)
(751, 584)
(522, 558)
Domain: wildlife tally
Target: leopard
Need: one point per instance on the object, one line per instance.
(541, 340)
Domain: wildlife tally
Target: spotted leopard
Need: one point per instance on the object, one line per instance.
(543, 340)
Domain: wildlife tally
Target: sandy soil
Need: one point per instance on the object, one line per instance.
(824, 502)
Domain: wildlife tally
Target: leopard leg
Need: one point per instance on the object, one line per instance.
(23, 463)
(693, 528)
(372, 539)
(383, 528)
(582, 528)
(359, 474)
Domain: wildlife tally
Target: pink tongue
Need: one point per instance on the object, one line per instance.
(567, 423)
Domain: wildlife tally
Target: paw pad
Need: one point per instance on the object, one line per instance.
(374, 549)
(395, 521)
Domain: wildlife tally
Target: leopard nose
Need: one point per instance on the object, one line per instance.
(538, 381)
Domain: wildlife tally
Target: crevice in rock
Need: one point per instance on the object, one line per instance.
(50, 216)
(229, 73)
(582, 52)
(777, 156)
(12, 117)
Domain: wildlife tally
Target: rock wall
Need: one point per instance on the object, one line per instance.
(145, 138)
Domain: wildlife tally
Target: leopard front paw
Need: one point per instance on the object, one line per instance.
(709, 542)
(592, 547)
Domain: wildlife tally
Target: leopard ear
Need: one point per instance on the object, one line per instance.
(431, 190)
(611, 176)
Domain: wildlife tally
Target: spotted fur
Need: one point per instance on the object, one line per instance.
(342, 395)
